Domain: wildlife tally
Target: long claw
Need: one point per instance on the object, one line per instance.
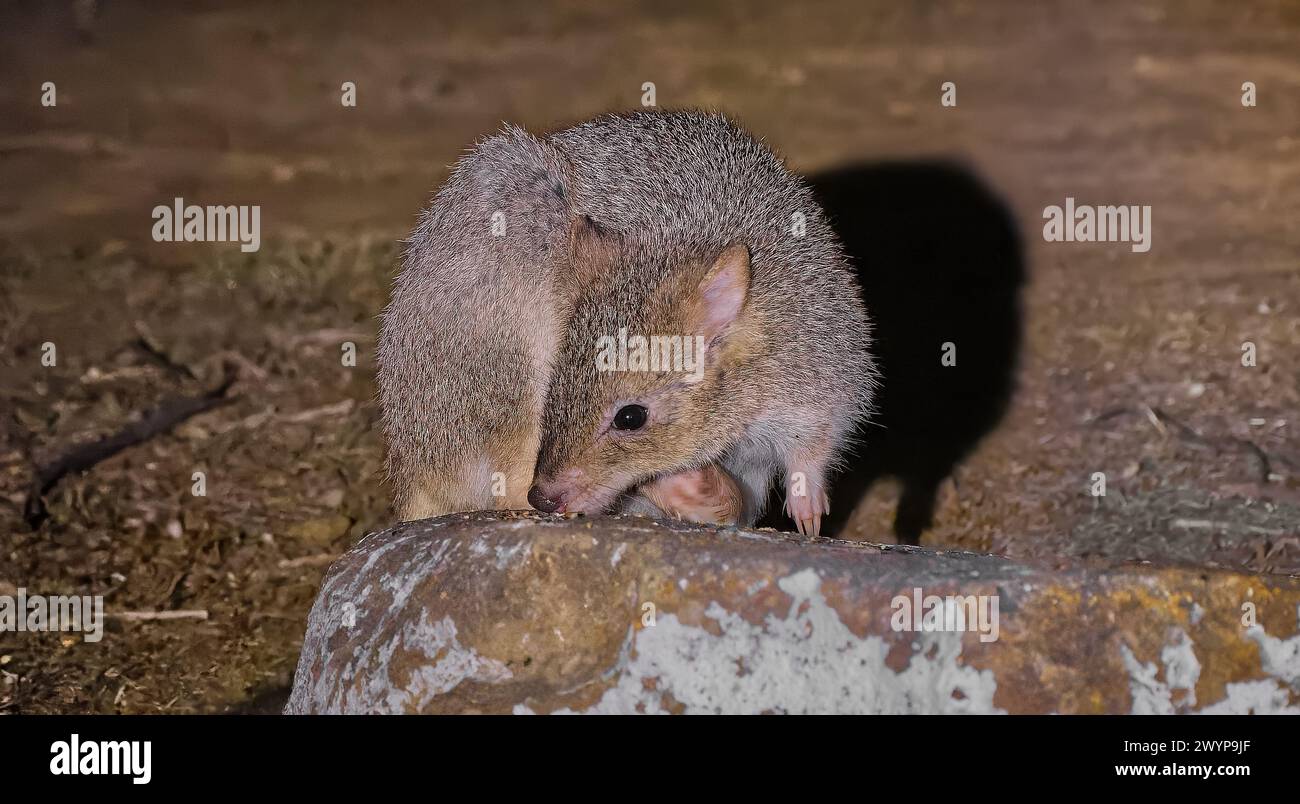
(807, 512)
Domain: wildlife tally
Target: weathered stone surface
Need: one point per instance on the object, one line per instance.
(527, 613)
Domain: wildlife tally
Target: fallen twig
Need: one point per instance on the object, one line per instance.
(1154, 418)
(148, 616)
(1207, 524)
(337, 409)
(78, 459)
(1187, 433)
(318, 560)
(149, 345)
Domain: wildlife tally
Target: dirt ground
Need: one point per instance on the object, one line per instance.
(1131, 363)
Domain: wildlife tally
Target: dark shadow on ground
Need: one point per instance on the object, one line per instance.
(940, 261)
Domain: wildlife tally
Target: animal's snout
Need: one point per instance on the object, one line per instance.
(550, 503)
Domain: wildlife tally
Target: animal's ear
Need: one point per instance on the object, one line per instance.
(721, 293)
(590, 244)
(592, 251)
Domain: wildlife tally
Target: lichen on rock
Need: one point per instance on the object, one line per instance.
(528, 613)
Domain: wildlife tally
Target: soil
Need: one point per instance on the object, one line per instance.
(1131, 365)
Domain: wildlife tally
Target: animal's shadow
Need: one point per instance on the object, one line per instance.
(940, 263)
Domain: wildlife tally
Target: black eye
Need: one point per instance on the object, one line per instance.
(630, 417)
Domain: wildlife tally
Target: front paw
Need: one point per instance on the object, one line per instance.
(709, 495)
(807, 505)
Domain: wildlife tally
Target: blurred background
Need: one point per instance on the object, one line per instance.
(1123, 363)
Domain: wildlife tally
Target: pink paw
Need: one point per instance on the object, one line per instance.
(808, 509)
(708, 495)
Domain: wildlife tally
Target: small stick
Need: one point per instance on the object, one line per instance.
(146, 343)
(337, 409)
(1206, 524)
(1186, 432)
(78, 459)
(317, 560)
(147, 616)
(1155, 420)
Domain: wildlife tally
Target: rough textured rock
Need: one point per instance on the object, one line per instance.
(527, 613)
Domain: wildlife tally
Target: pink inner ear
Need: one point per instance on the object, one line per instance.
(723, 292)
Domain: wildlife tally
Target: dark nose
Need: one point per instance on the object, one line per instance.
(541, 502)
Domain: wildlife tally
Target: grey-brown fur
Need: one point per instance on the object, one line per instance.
(681, 187)
(467, 337)
(476, 321)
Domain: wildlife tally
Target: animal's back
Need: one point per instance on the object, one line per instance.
(466, 338)
(683, 183)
